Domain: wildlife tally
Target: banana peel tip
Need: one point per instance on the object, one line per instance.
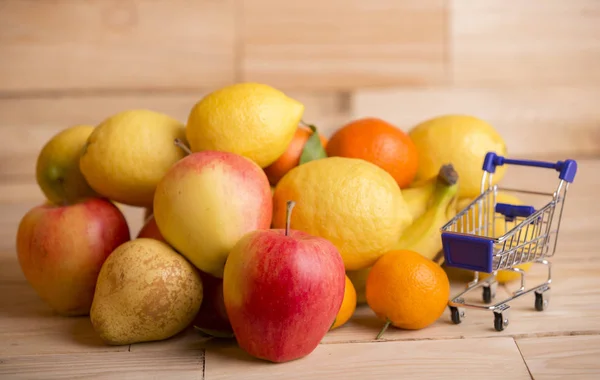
(448, 174)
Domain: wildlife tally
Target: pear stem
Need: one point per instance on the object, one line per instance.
(183, 147)
(288, 216)
(387, 324)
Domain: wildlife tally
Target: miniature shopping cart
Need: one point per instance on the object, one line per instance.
(529, 236)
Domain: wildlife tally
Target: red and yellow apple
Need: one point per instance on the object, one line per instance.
(207, 201)
(212, 318)
(62, 248)
(282, 292)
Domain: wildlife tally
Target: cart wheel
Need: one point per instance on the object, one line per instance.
(455, 315)
(500, 321)
(541, 302)
(488, 295)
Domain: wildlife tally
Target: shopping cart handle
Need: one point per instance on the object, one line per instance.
(512, 211)
(566, 168)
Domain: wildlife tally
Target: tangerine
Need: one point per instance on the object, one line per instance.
(407, 290)
(291, 157)
(379, 142)
(348, 305)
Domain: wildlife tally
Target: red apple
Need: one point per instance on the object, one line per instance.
(150, 230)
(61, 249)
(212, 318)
(282, 292)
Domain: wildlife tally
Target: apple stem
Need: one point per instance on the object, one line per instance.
(288, 216)
(183, 147)
(387, 324)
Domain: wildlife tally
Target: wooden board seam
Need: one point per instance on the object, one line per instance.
(201, 352)
(523, 357)
(460, 337)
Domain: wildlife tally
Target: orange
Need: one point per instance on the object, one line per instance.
(407, 290)
(348, 305)
(380, 143)
(291, 157)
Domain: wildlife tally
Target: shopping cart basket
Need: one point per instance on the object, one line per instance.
(530, 236)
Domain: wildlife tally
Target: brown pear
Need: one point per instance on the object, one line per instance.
(145, 292)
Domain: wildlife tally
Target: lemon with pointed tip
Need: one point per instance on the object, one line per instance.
(351, 202)
(253, 120)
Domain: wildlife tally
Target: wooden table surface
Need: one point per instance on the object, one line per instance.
(562, 342)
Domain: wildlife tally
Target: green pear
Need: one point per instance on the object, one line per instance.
(145, 292)
(57, 166)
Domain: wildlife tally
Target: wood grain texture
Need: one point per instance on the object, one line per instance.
(96, 45)
(188, 340)
(27, 326)
(525, 43)
(343, 44)
(572, 357)
(500, 360)
(26, 124)
(554, 121)
(130, 366)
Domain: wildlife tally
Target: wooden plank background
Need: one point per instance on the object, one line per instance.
(344, 45)
(93, 45)
(531, 43)
(531, 68)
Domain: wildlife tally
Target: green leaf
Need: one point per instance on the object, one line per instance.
(313, 149)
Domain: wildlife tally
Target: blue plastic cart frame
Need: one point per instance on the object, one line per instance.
(531, 236)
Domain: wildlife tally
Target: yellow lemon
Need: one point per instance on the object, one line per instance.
(57, 167)
(459, 140)
(128, 154)
(351, 202)
(250, 119)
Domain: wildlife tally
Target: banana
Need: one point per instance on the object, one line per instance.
(418, 196)
(423, 235)
(452, 208)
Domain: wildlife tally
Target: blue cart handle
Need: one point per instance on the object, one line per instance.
(566, 168)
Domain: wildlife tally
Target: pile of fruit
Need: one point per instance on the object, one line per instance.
(259, 228)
